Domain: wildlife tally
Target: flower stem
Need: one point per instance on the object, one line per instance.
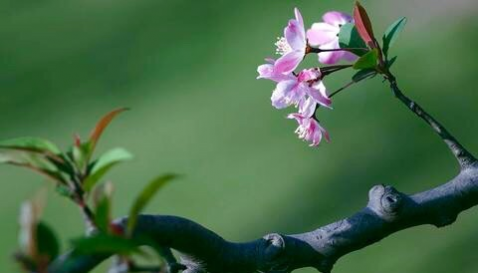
(342, 88)
(331, 69)
(319, 50)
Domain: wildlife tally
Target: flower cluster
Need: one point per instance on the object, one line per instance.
(305, 89)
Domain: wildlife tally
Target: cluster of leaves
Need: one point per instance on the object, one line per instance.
(73, 171)
(76, 176)
(360, 35)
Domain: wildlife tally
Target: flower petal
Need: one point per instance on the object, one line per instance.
(337, 18)
(289, 62)
(309, 75)
(322, 33)
(295, 36)
(316, 133)
(307, 107)
(268, 71)
(331, 57)
(265, 71)
(298, 17)
(349, 56)
(294, 33)
(281, 95)
(321, 88)
(298, 117)
(318, 93)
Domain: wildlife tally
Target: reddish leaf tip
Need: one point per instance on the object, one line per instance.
(363, 24)
(77, 140)
(100, 127)
(104, 122)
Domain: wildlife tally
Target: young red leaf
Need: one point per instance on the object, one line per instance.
(77, 140)
(101, 126)
(363, 24)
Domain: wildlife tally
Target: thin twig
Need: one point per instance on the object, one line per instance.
(464, 157)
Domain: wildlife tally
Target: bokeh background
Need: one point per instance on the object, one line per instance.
(187, 69)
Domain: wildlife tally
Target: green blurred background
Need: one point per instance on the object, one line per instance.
(187, 69)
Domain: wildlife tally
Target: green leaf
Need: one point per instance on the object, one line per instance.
(363, 74)
(391, 62)
(33, 161)
(20, 157)
(30, 144)
(34, 153)
(103, 165)
(143, 199)
(105, 244)
(65, 165)
(47, 241)
(392, 33)
(368, 60)
(78, 155)
(102, 215)
(349, 38)
(102, 200)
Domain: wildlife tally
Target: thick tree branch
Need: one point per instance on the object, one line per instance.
(387, 211)
(465, 158)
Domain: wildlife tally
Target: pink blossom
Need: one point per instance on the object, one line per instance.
(309, 129)
(269, 72)
(307, 107)
(292, 46)
(326, 36)
(296, 91)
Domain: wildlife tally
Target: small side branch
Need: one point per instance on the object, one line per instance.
(464, 157)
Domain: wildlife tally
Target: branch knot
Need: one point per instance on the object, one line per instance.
(273, 258)
(386, 201)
